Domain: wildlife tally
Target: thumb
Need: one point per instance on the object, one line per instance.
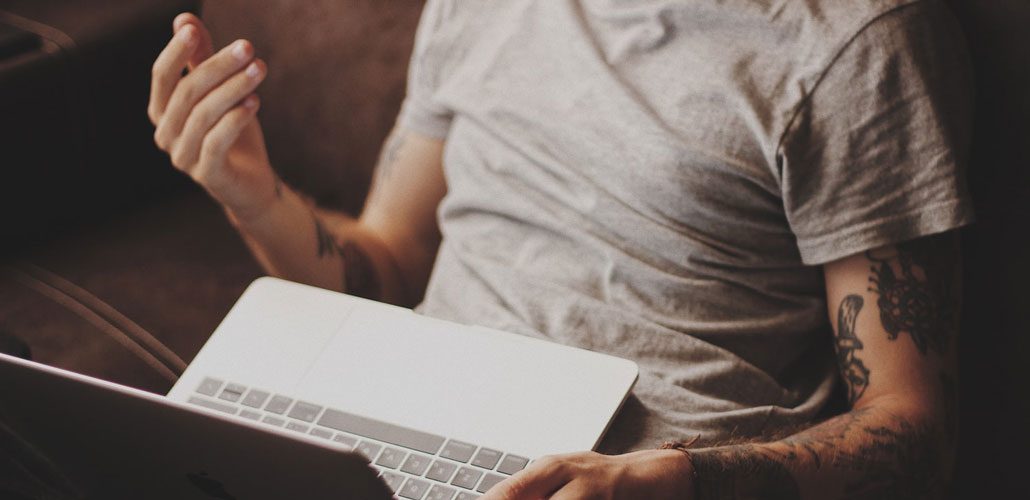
(205, 48)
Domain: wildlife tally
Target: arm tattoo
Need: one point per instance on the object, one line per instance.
(742, 472)
(854, 372)
(326, 243)
(358, 273)
(897, 462)
(892, 460)
(917, 291)
(391, 151)
(359, 277)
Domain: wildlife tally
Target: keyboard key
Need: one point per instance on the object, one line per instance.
(391, 458)
(253, 415)
(232, 392)
(370, 450)
(322, 433)
(441, 492)
(466, 496)
(512, 464)
(441, 471)
(255, 398)
(415, 464)
(276, 421)
(344, 439)
(210, 386)
(305, 411)
(458, 451)
(489, 481)
(382, 431)
(467, 478)
(486, 458)
(393, 480)
(278, 404)
(214, 405)
(414, 489)
(297, 426)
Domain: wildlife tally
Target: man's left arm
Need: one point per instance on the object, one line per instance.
(894, 312)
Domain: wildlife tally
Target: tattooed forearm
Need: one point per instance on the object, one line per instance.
(854, 372)
(896, 462)
(359, 277)
(871, 453)
(742, 472)
(917, 288)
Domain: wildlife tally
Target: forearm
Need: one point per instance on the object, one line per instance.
(876, 452)
(293, 241)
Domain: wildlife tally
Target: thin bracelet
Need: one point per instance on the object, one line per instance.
(684, 446)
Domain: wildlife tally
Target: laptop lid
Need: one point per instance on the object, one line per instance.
(88, 438)
(498, 390)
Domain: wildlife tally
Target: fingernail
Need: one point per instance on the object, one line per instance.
(240, 50)
(253, 70)
(250, 102)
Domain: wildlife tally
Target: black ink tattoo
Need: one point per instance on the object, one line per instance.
(853, 371)
(359, 276)
(917, 292)
(391, 151)
(358, 272)
(890, 458)
(900, 462)
(742, 472)
(326, 243)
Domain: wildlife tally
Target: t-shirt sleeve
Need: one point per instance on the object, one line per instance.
(876, 154)
(420, 112)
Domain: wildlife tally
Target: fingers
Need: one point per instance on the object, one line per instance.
(210, 110)
(223, 135)
(167, 71)
(539, 480)
(204, 47)
(196, 85)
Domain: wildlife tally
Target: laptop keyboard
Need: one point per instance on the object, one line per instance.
(416, 465)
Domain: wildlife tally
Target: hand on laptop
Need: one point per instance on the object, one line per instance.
(653, 474)
(206, 120)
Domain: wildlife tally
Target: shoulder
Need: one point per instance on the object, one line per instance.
(832, 26)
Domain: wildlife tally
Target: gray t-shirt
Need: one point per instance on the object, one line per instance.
(661, 180)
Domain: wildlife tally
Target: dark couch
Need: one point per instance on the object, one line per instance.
(132, 296)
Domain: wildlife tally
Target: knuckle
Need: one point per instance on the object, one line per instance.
(160, 140)
(178, 156)
(213, 143)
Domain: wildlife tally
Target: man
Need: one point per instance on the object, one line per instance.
(692, 185)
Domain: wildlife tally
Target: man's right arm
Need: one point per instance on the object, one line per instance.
(207, 122)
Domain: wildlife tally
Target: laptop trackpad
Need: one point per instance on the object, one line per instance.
(458, 381)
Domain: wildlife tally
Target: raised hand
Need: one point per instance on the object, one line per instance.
(206, 120)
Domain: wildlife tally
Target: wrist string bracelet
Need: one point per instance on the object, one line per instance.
(684, 446)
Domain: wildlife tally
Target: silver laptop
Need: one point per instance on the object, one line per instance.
(437, 410)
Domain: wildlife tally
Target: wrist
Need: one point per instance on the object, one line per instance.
(255, 214)
(684, 467)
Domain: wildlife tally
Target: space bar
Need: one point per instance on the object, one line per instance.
(382, 431)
